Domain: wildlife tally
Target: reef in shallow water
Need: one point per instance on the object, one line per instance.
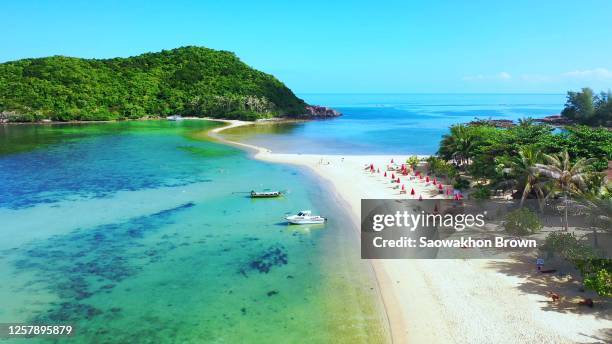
(88, 261)
(275, 255)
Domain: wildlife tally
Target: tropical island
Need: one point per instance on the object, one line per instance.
(141, 144)
(189, 81)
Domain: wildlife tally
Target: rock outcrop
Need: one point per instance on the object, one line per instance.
(497, 123)
(556, 120)
(315, 111)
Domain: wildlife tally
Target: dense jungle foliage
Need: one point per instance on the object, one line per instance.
(190, 80)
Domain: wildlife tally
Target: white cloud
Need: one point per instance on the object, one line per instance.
(504, 76)
(582, 76)
(597, 73)
(499, 76)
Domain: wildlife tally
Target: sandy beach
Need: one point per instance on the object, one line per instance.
(442, 301)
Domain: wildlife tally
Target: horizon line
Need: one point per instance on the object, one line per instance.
(429, 93)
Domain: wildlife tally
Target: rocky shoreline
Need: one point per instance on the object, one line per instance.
(316, 111)
(554, 120)
(312, 112)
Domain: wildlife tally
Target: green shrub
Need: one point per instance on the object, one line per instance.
(600, 281)
(522, 221)
(596, 272)
(440, 167)
(26, 117)
(244, 115)
(461, 183)
(481, 192)
(413, 161)
(567, 246)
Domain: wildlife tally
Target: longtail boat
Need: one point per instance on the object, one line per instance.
(265, 194)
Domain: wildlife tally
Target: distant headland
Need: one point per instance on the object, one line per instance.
(189, 81)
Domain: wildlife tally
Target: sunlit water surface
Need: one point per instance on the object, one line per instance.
(392, 123)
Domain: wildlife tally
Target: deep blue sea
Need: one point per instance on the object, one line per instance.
(394, 123)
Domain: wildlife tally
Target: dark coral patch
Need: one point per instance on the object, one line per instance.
(275, 255)
(84, 262)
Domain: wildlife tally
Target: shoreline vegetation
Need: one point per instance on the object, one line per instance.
(188, 81)
(565, 172)
(438, 301)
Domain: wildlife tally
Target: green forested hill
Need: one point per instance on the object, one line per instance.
(186, 81)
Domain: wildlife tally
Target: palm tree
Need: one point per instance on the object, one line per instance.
(458, 144)
(523, 168)
(525, 122)
(567, 177)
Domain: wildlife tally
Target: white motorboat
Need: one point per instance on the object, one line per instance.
(174, 118)
(305, 217)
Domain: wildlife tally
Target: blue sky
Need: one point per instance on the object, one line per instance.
(520, 46)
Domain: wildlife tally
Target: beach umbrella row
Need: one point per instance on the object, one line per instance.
(404, 171)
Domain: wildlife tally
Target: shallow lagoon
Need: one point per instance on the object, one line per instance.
(139, 232)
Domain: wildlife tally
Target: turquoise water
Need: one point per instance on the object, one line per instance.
(393, 123)
(142, 232)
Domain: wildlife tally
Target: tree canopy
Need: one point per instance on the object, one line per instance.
(585, 107)
(186, 81)
(481, 149)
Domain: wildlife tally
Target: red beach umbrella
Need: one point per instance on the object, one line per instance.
(412, 191)
(391, 160)
(440, 187)
(403, 187)
(434, 182)
(427, 179)
(398, 180)
(392, 175)
(385, 174)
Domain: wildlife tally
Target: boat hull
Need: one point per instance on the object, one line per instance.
(265, 194)
(302, 221)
